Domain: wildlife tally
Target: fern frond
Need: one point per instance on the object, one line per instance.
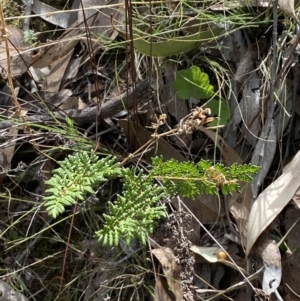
(190, 179)
(76, 176)
(135, 213)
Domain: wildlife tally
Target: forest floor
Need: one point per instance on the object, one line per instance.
(207, 84)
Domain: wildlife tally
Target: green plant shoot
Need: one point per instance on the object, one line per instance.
(193, 83)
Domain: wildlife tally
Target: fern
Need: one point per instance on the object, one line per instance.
(76, 176)
(135, 213)
(190, 179)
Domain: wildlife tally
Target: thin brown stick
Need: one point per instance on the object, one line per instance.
(108, 109)
(4, 36)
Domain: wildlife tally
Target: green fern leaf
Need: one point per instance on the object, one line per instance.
(189, 179)
(135, 213)
(75, 178)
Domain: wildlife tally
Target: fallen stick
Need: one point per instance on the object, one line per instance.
(110, 108)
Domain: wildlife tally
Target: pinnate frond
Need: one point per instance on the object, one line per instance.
(76, 177)
(135, 213)
(190, 179)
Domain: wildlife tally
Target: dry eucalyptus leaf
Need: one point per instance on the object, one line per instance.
(60, 54)
(171, 270)
(272, 200)
(49, 54)
(52, 52)
(100, 19)
(288, 7)
(20, 53)
(54, 79)
(50, 14)
(55, 100)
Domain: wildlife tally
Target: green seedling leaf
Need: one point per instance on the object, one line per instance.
(218, 108)
(193, 83)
